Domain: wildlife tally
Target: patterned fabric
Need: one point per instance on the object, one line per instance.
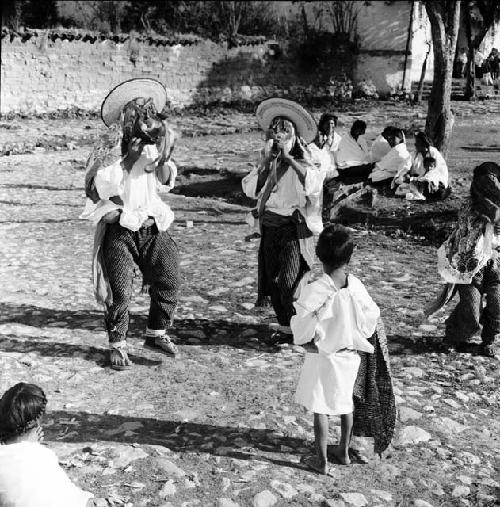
(105, 152)
(485, 190)
(156, 255)
(466, 319)
(468, 248)
(281, 267)
(374, 403)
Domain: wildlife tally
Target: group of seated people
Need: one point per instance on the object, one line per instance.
(422, 175)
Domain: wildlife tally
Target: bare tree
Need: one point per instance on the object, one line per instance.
(344, 18)
(444, 17)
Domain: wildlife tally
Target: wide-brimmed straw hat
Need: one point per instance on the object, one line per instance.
(271, 108)
(129, 90)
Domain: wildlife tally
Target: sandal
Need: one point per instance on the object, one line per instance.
(118, 357)
(489, 351)
(279, 337)
(161, 343)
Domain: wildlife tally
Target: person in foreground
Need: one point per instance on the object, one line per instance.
(30, 475)
(468, 262)
(288, 186)
(335, 316)
(124, 174)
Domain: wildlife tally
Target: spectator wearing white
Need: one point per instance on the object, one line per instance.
(328, 141)
(396, 161)
(353, 155)
(380, 147)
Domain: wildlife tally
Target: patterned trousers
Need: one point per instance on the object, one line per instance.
(157, 256)
(282, 268)
(466, 319)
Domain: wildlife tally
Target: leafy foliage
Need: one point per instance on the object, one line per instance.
(217, 20)
(35, 13)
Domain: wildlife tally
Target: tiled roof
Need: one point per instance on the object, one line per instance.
(26, 34)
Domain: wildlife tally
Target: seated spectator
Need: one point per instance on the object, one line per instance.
(396, 161)
(380, 146)
(428, 175)
(327, 141)
(353, 156)
(30, 475)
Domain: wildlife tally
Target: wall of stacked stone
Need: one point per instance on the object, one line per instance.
(41, 75)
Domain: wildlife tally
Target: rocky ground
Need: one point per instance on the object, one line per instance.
(218, 425)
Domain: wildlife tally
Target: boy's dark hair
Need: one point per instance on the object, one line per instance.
(20, 408)
(387, 131)
(358, 125)
(335, 246)
(325, 120)
(429, 161)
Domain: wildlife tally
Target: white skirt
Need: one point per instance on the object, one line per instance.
(326, 383)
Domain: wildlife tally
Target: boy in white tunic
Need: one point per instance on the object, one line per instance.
(337, 314)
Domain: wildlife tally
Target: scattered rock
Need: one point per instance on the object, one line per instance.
(383, 495)
(448, 426)
(264, 499)
(460, 491)
(356, 499)
(168, 467)
(168, 489)
(412, 435)
(226, 502)
(469, 458)
(127, 455)
(407, 414)
(284, 489)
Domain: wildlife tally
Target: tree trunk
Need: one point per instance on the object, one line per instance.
(470, 88)
(444, 17)
(420, 89)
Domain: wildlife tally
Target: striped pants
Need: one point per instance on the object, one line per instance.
(156, 255)
(282, 267)
(466, 319)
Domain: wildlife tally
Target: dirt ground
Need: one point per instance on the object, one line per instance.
(218, 425)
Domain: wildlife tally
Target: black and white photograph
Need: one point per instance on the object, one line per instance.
(250, 253)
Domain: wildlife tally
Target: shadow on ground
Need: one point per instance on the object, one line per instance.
(216, 331)
(178, 436)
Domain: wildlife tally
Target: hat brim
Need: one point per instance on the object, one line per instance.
(122, 94)
(304, 122)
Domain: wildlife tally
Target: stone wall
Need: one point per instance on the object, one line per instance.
(42, 75)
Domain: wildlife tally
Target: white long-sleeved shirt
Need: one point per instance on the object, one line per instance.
(138, 190)
(380, 148)
(30, 476)
(335, 318)
(396, 162)
(352, 152)
(437, 175)
(291, 194)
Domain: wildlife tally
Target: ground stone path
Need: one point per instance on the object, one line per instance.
(218, 425)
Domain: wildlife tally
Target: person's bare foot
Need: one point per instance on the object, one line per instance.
(317, 465)
(340, 454)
